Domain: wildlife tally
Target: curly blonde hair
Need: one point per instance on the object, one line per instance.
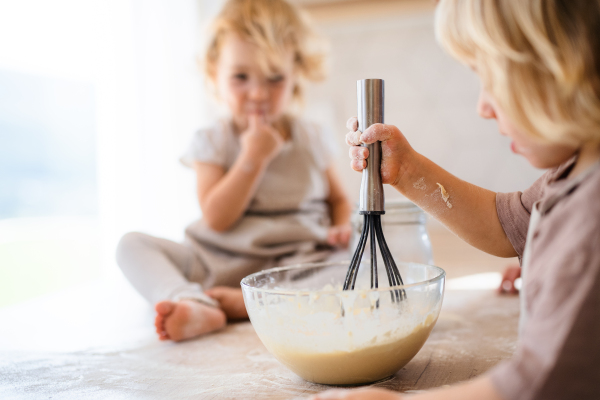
(276, 28)
(539, 59)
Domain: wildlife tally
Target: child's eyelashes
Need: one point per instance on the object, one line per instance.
(241, 77)
(276, 78)
(244, 77)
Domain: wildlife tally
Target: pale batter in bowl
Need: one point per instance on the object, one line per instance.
(330, 336)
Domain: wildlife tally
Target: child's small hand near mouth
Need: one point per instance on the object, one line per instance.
(260, 139)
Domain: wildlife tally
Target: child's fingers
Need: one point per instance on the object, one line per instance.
(510, 275)
(352, 124)
(253, 121)
(358, 165)
(344, 238)
(339, 235)
(381, 132)
(358, 153)
(256, 120)
(262, 118)
(332, 239)
(331, 394)
(353, 138)
(213, 293)
(335, 236)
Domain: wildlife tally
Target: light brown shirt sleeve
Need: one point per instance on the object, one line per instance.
(514, 210)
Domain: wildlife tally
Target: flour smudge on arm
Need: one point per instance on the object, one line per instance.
(420, 184)
(445, 195)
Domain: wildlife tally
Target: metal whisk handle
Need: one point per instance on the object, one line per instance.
(370, 96)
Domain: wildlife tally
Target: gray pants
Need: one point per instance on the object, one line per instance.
(160, 269)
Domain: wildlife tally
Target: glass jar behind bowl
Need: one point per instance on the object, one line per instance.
(404, 229)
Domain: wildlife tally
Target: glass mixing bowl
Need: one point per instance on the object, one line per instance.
(331, 336)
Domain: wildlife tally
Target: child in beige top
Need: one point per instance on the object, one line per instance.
(266, 185)
(539, 63)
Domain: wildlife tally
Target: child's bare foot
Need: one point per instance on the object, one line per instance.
(231, 301)
(185, 319)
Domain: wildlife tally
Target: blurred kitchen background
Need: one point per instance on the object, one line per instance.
(99, 98)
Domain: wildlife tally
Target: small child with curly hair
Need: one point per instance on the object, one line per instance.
(265, 181)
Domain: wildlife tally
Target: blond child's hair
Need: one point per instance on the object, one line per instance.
(539, 59)
(276, 28)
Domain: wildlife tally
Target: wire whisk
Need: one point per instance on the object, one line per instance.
(370, 95)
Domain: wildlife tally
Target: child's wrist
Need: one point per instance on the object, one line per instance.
(252, 161)
(408, 171)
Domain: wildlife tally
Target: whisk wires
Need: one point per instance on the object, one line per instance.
(372, 229)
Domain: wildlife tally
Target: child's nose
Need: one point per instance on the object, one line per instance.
(258, 91)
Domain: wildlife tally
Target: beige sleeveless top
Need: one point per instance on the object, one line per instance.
(287, 219)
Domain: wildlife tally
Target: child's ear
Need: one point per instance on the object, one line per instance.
(209, 71)
(212, 88)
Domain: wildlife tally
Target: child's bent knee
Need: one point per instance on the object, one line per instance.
(127, 245)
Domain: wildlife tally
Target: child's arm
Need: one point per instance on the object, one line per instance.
(224, 196)
(468, 210)
(339, 210)
(477, 389)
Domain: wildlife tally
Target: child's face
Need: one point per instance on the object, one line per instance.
(540, 153)
(246, 89)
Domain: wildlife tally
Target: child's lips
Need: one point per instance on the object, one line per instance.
(257, 109)
(513, 147)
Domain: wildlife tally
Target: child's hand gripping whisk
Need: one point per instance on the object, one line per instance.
(370, 96)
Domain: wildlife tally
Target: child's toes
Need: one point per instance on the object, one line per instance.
(159, 323)
(164, 308)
